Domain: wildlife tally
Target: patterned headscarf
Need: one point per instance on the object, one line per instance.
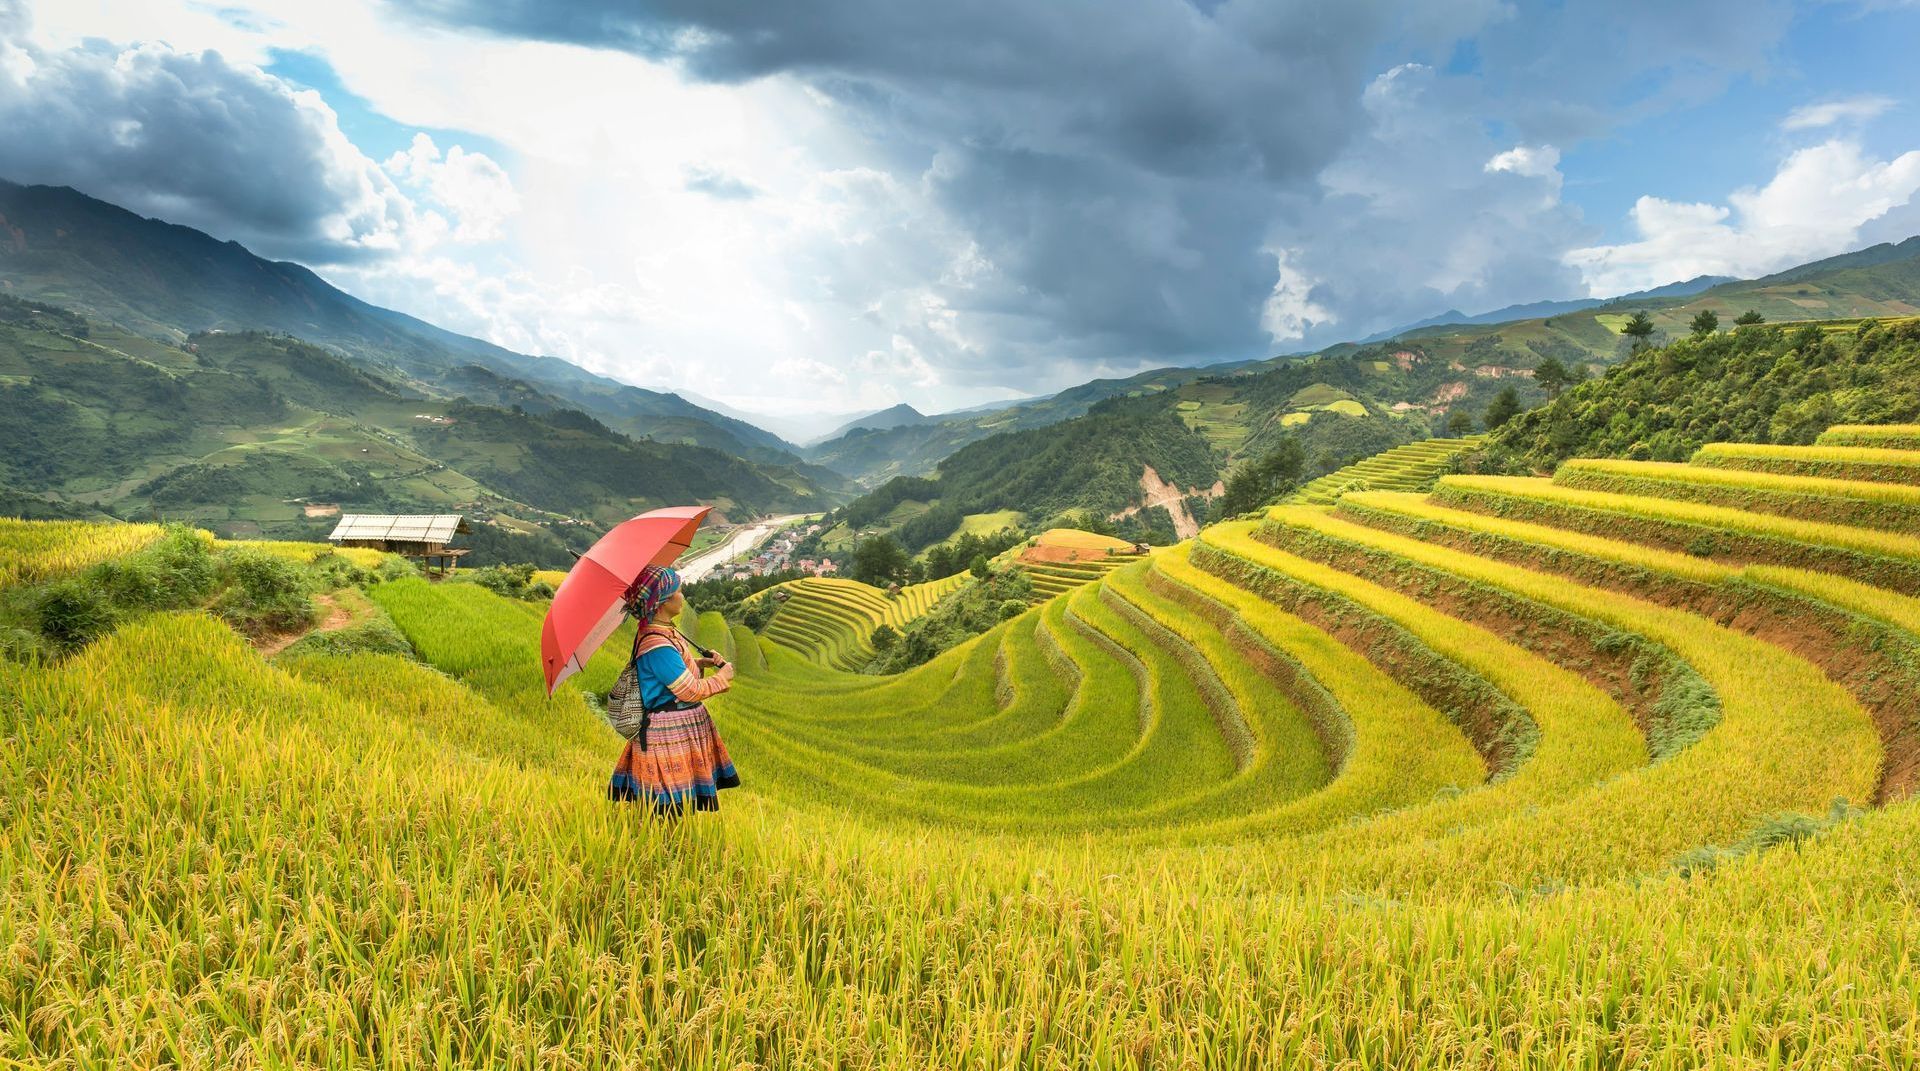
(655, 585)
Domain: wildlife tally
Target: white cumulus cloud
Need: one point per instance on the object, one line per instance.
(474, 190)
(1815, 206)
(1532, 161)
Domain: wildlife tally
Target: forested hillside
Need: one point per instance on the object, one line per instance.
(1762, 383)
(240, 432)
(167, 282)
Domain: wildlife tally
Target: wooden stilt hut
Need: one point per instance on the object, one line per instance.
(422, 537)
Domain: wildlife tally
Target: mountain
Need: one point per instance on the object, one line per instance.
(902, 415)
(1347, 401)
(791, 427)
(64, 248)
(251, 433)
(1540, 309)
(872, 456)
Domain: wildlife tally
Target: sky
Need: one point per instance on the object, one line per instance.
(820, 208)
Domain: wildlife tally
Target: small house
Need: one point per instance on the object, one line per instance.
(422, 537)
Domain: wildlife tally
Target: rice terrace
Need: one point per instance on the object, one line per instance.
(949, 538)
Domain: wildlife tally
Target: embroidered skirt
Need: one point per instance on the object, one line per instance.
(684, 765)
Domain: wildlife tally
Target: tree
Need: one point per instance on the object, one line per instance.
(1705, 323)
(1749, 318)
(1639, 328)
(878, 560)
(1506, 406)
(1459, 422)
(978, 566)
(1257, 482)
(884, 638)
(1552, 376)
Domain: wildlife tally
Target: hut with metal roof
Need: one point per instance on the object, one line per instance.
(422, 537)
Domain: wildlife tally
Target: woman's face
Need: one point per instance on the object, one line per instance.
(672, 607)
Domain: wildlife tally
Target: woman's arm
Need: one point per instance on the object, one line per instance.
(684, 681)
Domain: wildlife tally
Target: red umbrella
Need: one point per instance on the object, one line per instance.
(588, 606)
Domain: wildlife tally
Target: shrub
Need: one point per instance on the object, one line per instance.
(378, 636)
(394, 567)
(73, 613)
(511, 581)
(758, 613)
(263, 594)
(332, 571)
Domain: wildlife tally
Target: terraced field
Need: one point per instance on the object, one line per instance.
(1413, 467)
(831, 621)
(1614, 769)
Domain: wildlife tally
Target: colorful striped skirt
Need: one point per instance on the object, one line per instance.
(684, 765)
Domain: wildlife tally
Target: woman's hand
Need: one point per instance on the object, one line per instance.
(710, 661)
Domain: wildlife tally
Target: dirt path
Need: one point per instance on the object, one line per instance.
(336, 616)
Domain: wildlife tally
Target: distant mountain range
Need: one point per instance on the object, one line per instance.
(149, 294)
(1540, 309)
(461, 422)
(64, 248)
(1342, 403)
(1881, 281)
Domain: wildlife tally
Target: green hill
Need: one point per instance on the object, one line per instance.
(238, 431)
(1770, 383)
(167, 282)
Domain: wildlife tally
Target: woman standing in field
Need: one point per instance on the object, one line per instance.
(676, 759)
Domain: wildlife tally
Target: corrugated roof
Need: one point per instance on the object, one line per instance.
(409, 528)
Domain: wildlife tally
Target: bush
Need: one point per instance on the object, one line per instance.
(177, 571)
(511, 581)
(74, 612)
(378, 636)
(394, 567)
(332, 571)
(758, 613)
(263, 594)
(976, 607)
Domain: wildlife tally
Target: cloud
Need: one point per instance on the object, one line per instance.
(1423, 212)
(1816, 205)
(476, 191)
(197, 140)
(1075, 185)
(1850, 110)
(954, 202)
(1533, 162)
(720, 185)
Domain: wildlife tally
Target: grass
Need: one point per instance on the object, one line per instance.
(831, 621)
(1210, 808)
(1841, 462)
(1892, 436)
(34, 551)
(1413, 467)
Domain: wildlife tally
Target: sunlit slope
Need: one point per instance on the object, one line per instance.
(1413, 467)
(1518, 773)
(830, 620)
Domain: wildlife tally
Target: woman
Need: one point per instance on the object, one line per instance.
(677, 759)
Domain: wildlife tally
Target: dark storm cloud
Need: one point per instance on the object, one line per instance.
(1129, 168)
(195, 140)
(1118, 163)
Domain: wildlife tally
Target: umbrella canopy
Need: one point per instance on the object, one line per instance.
(588, 606)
